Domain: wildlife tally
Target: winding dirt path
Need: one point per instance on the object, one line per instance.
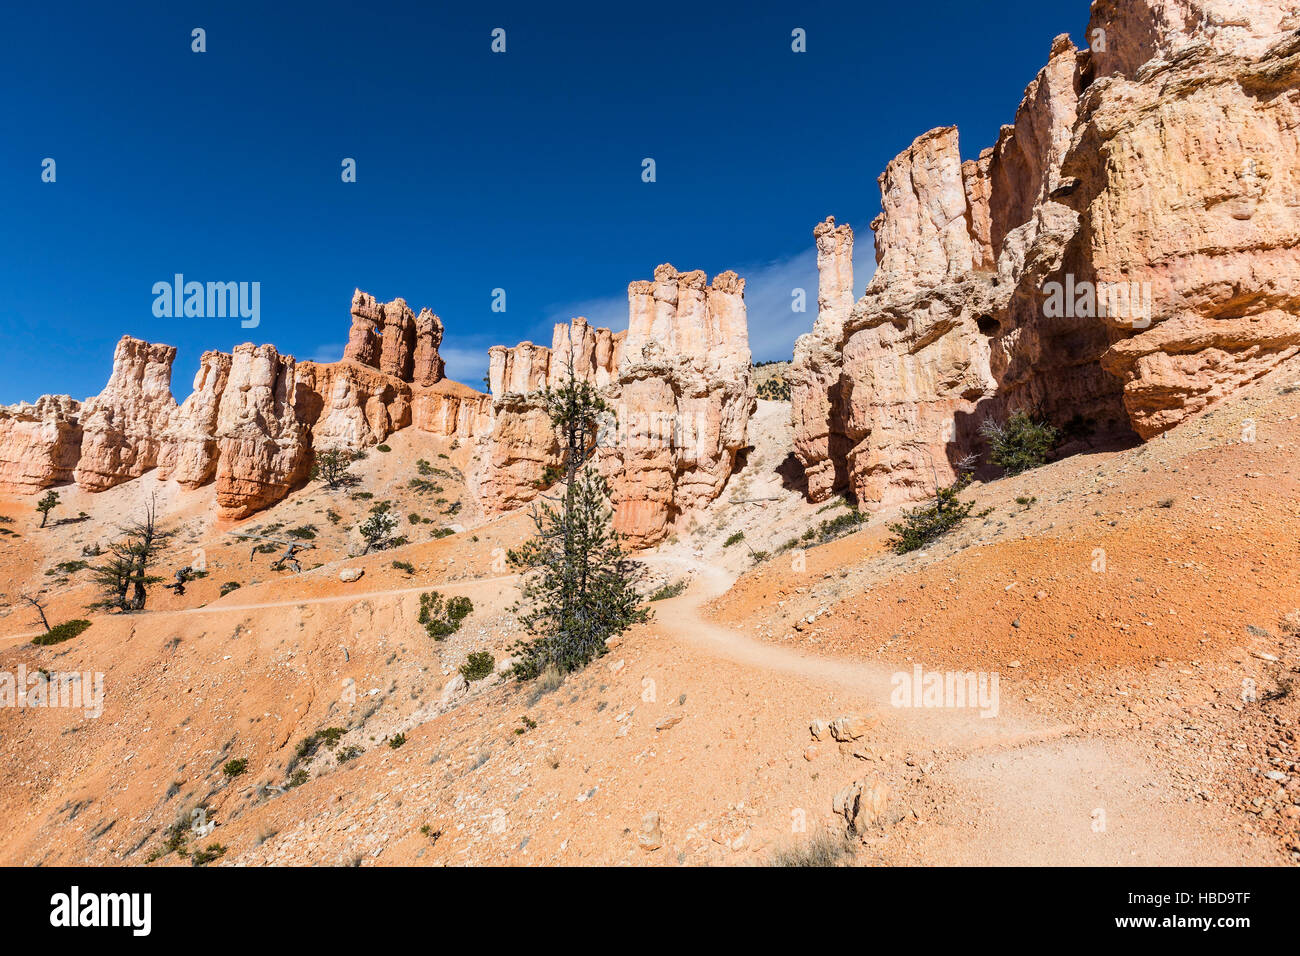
(1012, 790)
(1008, 791)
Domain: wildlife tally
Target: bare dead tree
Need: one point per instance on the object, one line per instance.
(37, 603)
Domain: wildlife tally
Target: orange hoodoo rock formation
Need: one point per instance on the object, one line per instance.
(254, 418)
(679, 380)
(1128, 252)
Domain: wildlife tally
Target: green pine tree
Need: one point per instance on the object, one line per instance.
(579, 587)
(47, 504)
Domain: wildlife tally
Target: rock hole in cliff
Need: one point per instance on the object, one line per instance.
(989, 325)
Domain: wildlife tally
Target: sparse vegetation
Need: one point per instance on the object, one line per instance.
(773, 390)
(579, 585)
(735, 538)
(62, 632)
(922, 525)
(406, 566)
(236, 767)
(443, 616)
(528, 724)
(1020, 443)
(306, 532)
(203, 857)
(667, 591)
(377, 530)
(478, 664)
(396, 740)
(124, 576)
(229, 586)
(47, 504)
(830, 528)
(331, 466)
(384, 448)
(309, 745)
(826, 848)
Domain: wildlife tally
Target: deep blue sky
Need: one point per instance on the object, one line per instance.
(475, 170)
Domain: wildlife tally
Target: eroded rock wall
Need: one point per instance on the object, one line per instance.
(254, 418)
(678, 381)
(123, 426)
(1124, 255)
(40, 444)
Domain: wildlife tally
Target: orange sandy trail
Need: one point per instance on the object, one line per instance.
(329, 599)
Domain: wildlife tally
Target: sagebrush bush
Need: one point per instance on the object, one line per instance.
(1020, 443)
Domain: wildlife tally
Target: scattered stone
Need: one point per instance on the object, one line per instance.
(651, 835)
(850, 728)
(669, 721)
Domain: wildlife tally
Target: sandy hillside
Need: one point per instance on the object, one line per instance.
(1123, 732)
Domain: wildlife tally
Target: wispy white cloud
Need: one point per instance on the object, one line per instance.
(772, 292)
(327, 353)
(467, 364)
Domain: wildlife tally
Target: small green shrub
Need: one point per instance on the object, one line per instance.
(1020, 443)
(734, 539)
(229, 586)
(396, 740)
(203, 857)
(477, 665)
(443, 616)
(308, 746)
(348, 753)
(62, 632)
(236, 767)
(306, 532)
(667, 591)
(922, 525)
(383, 448)
(406, 566)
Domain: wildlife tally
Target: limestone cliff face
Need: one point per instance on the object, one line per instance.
(1125, 253)
(679, 383)
(39, 443)
(254, 419)
(122, 427)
